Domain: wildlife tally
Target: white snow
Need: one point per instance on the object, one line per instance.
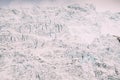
(75, 41)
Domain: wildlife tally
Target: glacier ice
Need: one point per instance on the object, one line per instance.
(73, 42)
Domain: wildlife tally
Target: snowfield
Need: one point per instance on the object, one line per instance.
(70, 42)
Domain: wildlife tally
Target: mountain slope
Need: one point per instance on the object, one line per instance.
(73, 42)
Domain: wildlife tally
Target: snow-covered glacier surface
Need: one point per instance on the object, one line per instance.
(70, 42)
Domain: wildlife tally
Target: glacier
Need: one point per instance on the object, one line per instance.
(69, 42)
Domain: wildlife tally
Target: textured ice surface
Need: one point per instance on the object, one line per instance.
(73, 42)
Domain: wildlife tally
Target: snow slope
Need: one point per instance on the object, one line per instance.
(70, 42)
